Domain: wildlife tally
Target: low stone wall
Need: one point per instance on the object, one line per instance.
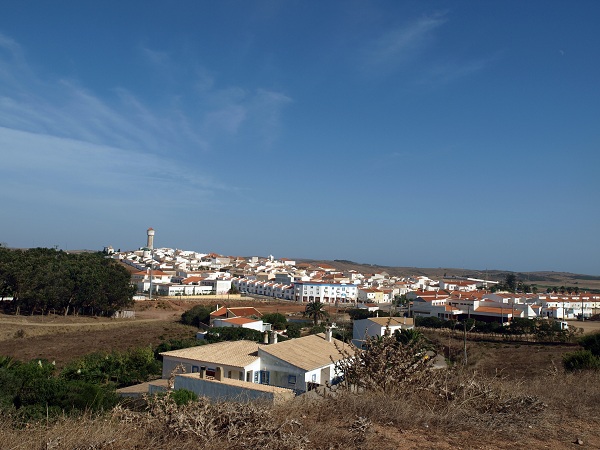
(231, 390)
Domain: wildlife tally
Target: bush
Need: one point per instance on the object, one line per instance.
(31, 391)
(197, 315)
(384, 364)
(591, 342)
(277, 320)
(294, 330)
(183, 396)
(219, 334)
(317, 329)
(359, 314)
(118, 368)
(581, 360)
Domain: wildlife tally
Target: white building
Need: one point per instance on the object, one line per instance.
(377, 326)
(299, 364)
(242, 322)
(311, 291)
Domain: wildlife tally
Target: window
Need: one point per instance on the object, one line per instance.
(264, 377)
(292, 379)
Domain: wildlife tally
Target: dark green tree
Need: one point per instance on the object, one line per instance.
(510, 282)
(277, 320)
(316, 312)
(199, 314)
(294, 330)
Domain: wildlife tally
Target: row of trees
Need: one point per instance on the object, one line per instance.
(41, 280)
(512, 284)
(563, 290)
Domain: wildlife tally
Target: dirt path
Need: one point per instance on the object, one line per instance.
(115, 322)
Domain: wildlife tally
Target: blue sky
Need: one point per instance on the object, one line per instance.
(430, 134)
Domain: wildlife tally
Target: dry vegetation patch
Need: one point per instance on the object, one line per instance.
(509, 396)
(66, 343)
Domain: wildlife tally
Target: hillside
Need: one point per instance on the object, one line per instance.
(542, 279)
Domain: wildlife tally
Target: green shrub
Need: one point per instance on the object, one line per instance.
(183, 396)
(591, 342)
(219, 334)
(31, 391)
(197, 315)
(118, 368)
(317, 329)
(277, 320)
(294, 330)
(581, 360)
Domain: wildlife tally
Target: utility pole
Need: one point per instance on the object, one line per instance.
(465, 333)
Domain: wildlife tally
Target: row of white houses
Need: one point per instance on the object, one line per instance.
(501, 306)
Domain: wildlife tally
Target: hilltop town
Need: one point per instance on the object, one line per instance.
(182, 273)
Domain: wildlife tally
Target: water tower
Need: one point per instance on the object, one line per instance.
(150, 243)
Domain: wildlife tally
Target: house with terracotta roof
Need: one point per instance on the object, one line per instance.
(458, 285)
(235, 311)
(371, 307)
(466, 305)
(242, 322)
(366, 295)
(141, 279)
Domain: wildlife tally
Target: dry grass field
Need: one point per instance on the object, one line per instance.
(522, 398)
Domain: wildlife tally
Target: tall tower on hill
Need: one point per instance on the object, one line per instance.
(150, 243)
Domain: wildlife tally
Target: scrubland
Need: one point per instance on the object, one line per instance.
(507, 396)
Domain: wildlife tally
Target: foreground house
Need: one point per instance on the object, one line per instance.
(297, 364)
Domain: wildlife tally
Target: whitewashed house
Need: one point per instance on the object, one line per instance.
(378, 326)
(300, 364)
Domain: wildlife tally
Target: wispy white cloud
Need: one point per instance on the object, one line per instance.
(65, 108)
(61, 143)
(196, 116)
(60, 170)
(157, 58)
(256, 115)
(400, 44)
(267, 111)
(442, 73)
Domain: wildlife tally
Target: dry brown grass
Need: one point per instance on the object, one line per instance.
(510, 396)
(482, 412)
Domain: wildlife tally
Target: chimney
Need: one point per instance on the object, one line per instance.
(274, 337)
(328, 334)
(219, 373)
(203, 372)
(266, 337)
